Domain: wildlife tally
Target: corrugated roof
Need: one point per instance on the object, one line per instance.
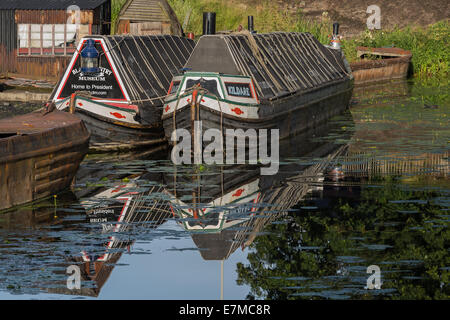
(49, 4)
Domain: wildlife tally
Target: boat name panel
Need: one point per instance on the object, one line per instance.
(238, 89)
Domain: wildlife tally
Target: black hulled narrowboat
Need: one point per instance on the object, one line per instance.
(285, 81)
(116, 84)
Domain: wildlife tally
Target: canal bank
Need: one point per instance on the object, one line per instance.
(18, 95)
(24, 90)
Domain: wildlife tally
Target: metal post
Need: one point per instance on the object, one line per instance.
(250, 24)
(209, 23)
(72, 103)
(221, 280)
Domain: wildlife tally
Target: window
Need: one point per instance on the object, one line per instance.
(46, 39)
(210, 85)
(174, 86)
(237, 89)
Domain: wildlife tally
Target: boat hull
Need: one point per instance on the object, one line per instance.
(380, 70)
(40, 155)
(104, 131)
(114, 127)
(393, 65)
(290, 115)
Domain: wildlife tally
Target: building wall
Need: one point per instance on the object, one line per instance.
(48, 61)
(8, 40)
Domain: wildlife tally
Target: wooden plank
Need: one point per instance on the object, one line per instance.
(383, 52)
(29, 39)
(53, 40)
(42, 38)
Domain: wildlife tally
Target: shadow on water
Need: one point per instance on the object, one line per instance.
(370, 187)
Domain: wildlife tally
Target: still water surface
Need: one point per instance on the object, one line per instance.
(370, 187)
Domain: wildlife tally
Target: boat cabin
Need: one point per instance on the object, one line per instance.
(130, 74)
(212, 87)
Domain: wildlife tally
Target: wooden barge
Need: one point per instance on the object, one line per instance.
(40, 154)
(392, 63)
(120, 96)
(285, 81)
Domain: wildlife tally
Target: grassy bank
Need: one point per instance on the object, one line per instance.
(230, 14)
(429, 45)
(116, 5)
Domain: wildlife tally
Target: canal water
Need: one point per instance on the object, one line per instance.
(358, 210)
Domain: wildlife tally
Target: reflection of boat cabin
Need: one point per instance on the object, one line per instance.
(147, 17)
(234, 218)
(127, 209)
(38, 38)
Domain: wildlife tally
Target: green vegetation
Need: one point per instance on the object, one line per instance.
(429, 45)
(325, 252)
(231, 14)
(116, 5)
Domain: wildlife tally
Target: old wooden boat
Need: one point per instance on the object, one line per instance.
(390, 63)
(40, 154)
(117, 84)
(285, 81)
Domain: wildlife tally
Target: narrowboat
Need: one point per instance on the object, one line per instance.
(117, 85)
(390, 63)
(40, 154)
(280, 80)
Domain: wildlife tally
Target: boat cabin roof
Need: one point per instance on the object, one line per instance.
(137, 69)
(279, 63)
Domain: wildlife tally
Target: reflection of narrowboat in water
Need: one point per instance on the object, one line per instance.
(40, 155)
(116, 84)
(285, 81)
(228, 207)
(118, 211)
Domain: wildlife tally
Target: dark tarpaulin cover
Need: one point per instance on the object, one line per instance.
(280, 63)
(147, 64)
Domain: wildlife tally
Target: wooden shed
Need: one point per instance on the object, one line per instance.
(148, 17)
(38, 38)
